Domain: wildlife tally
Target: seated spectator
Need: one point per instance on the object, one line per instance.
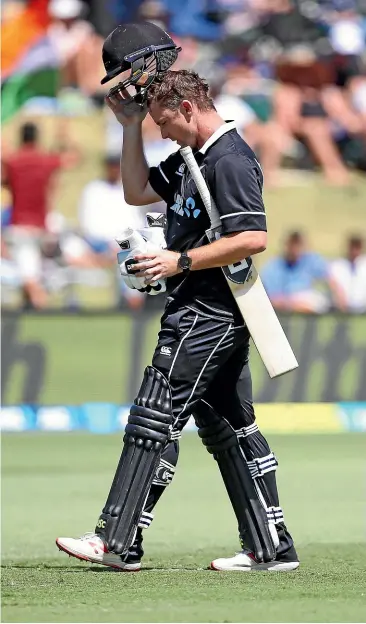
(103, 211)
(349, 273)
(9, 274)
(28, 174)
(77, 46)
(291, 279)
(263, 134)
(104, 214)
(299, 52)
(345, 100)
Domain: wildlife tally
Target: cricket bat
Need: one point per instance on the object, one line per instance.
(248, 290)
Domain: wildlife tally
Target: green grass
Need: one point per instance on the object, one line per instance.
(56, 484)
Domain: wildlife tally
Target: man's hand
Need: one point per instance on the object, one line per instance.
(126, 110)
(155, 266)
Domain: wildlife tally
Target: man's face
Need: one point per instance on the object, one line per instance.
(175, 125)
(294, 250)
(113, 173)
(355, 249)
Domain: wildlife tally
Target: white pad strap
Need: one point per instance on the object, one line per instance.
(275, 515)
(145, 520)
(244, 432)
(260, 465)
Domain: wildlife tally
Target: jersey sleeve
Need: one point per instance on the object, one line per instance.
(237, 190)
(161, 177)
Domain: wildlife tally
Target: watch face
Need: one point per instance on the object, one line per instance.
(185, 262)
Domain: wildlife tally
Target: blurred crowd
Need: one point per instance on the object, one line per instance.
(42, 256)
(291, 74)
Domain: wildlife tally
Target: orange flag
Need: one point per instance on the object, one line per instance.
(20, 33)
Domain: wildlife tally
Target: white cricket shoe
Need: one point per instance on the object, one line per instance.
(244, 561)
(90, 547)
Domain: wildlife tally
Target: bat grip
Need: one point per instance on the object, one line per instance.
(202, 187)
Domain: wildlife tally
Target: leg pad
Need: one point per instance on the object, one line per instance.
(221, 441)
(147, 432)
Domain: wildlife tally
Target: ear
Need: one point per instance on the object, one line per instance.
(186, 109)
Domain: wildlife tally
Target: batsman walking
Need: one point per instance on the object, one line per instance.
(201, 362)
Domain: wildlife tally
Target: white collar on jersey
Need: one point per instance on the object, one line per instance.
(226, 127)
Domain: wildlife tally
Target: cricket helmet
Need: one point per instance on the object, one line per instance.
(145, 49)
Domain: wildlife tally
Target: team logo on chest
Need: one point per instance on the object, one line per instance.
(180, 170)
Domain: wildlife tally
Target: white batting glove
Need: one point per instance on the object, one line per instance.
(132, 242)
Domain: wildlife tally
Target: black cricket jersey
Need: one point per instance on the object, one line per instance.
(235, 180)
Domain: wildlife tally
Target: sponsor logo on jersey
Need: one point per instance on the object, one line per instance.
(185, 208)
(166, 351)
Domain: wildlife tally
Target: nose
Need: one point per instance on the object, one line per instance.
(164, 133)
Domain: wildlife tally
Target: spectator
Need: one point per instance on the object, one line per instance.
(28, 173)
(291, 279)
(77, 46)
(299, 52)
(264, 135)
(349, 273)
(9, 274)
(104, 213)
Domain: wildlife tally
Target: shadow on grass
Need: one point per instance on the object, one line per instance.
(100, 570)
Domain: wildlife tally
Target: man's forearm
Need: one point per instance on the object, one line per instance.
(227, 250)
(134, 168)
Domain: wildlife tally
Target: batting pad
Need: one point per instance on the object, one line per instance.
(146, 434)
(221, 441)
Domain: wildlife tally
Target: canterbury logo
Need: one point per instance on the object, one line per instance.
(101, 523)
(166, 351)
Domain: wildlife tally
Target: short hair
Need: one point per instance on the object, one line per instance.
(111, 160)
(28, 133)
(175, 86)
(355, 241)
(295, 237)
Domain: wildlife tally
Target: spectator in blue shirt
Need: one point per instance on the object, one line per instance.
(292, 279)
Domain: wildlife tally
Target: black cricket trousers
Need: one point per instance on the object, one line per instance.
(204, 355)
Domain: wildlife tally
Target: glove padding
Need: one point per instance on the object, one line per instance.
(148, 239)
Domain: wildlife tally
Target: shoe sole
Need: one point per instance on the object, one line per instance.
(72, 553)
(260, 567)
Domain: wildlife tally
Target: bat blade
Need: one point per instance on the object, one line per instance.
(247, 288)
(263, 325)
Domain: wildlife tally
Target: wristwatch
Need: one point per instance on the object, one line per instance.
(184, 262)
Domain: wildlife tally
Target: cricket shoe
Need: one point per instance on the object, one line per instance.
(244, 561)
(90, 547)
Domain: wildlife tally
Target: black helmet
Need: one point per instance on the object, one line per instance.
(144, 48)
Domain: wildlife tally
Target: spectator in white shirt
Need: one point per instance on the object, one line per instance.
(104, 214)
(350, 274)
(103, 211)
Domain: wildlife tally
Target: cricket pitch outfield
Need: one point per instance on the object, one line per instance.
(55, 484)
